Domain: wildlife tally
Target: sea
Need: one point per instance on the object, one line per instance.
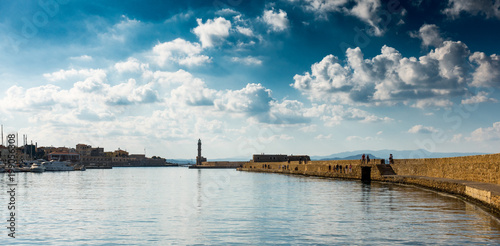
(181, 206)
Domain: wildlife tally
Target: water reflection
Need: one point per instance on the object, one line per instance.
(182, 206)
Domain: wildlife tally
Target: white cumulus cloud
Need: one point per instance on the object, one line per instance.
(249, 60)
(429, 34)
(480, 97)
(488, 8)
(179, 51)
(131, 65)
(323, 137)
(388, 77)
(368, 11)
(277, 20)
(422, 129)
(486, 134)
(212, 32)
(488, 72)
(252, 100)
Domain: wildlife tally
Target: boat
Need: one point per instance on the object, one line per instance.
(37, 167)
(58, 166)
(80, 168)
(24, 169)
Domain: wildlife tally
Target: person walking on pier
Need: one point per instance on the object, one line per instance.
(368, 159)
(391, 160)
(363, 159)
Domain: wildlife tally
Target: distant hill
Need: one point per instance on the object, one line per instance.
(397, 154)
(352, 157)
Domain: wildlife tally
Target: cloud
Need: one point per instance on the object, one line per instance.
(488, 8)
(288, 112)
(486, 134)
(213, 32)
(488, 72)
(74, 74)
(389, 77)
(323, 137)
(179, 51)
(433, 102)
(131, 93)
(209, 126)
(309, 128)
(32, 99)
(227, 11)
(457, 138)
(480, 97)
(422, 129)
(358, 138)
(131, 65)
(368, 11)
(121, 30)
(194, 92)
(245, 31)
(275, 137)
(333, 115)
(81, 58)
(252, 100)
(429, 34)
(249, 60)
(277, 20)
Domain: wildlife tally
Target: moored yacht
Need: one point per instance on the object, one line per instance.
(58, 166)
(37, 167)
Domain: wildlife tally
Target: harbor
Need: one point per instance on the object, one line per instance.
(30, 157)
(226, 122)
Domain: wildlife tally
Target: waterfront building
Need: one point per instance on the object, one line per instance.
(137, 156)
(279, 158)
(83, 149)
(299, 158)
(97, 151)
(120, 153)
(4, 152)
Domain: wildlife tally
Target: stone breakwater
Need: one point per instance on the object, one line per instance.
(473, 178)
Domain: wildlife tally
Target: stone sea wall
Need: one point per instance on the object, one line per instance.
(474, 178)
(478, 168)
(342, 168)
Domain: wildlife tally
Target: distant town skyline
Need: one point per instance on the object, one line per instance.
(308, 77)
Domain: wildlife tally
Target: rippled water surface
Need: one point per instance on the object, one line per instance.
(163, 206)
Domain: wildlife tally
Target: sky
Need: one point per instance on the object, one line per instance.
(312, 77)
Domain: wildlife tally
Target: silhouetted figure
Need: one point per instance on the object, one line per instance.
(391, 160)
(368, 159)
(363, 159)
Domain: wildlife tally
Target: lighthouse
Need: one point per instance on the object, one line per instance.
(199, 158)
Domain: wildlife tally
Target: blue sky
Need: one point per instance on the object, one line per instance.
(292, 76)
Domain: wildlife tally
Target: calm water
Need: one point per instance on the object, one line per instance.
(163, 206)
